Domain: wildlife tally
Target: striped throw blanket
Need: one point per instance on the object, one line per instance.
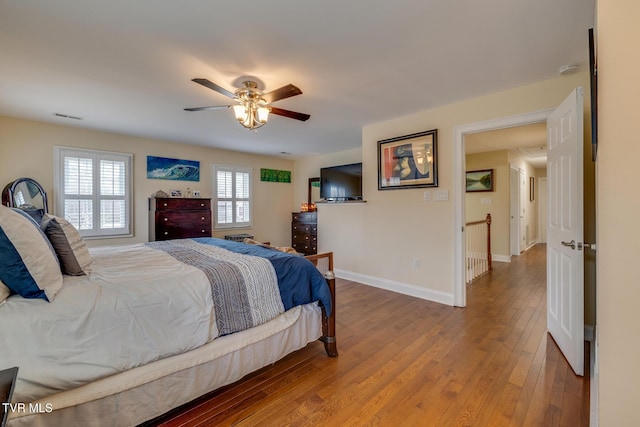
(245, 288)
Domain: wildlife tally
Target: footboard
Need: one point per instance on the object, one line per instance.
(324, 263)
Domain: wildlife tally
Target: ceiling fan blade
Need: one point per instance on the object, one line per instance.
(213, 86)
(214, 107)
(290, 114)
(282, 93)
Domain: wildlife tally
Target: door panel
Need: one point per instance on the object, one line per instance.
(565, 260)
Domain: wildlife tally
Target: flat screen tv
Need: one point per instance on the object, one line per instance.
(341, 183)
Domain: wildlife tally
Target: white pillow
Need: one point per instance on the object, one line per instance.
(27, 265)
(69, 245)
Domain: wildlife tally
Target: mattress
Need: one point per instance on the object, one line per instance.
(143, 393)
(107, 322)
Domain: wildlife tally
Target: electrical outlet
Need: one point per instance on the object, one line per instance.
(442, 195)
(416, 263)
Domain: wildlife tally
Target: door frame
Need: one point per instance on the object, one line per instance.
(459, 291)
(542, 208)
(514, 210)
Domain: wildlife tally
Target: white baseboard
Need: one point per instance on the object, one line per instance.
(594, 382)
(501, 258)
(532, 244)
(401, 288)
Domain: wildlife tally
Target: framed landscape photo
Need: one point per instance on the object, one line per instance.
(479, 180)
(408, 161)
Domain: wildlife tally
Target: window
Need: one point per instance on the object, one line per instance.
(233, 196)
(93, 191)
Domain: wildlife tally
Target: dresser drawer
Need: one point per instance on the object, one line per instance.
(182, 233)
(183, 219)
(305, 248)
(309, 217)
(183, 204)
(300, 228)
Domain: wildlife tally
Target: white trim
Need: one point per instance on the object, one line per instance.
(459, 288)
(214, 179)
(594, 381)
(401, 288)
(501, 258)
(60, 152)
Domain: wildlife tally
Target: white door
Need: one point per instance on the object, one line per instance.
(565, 261)
(514, 212)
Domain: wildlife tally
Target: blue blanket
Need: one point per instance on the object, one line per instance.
(299, 280)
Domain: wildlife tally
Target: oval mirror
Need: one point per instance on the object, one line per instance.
(28, 195)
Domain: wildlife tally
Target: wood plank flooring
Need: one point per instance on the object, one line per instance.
(409, 362)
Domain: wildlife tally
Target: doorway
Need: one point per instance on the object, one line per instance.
(460, 297)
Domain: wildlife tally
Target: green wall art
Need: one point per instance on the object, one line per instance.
(273, 175)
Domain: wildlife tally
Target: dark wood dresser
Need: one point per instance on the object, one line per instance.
(177, 218)
(304, 232)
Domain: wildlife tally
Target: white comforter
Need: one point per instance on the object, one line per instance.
(108, 322)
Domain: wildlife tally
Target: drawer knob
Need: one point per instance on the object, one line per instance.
(202, 204)
(165, 205)
(166, 232)
(166, 219)
(202, 218)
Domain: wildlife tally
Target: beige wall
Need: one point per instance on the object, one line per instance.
(618, 205)
(26, 149)
(397, 240)
(499, 206)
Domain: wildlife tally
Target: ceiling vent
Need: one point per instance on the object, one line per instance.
(67, 116)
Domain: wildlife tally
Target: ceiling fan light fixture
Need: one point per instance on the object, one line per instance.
(253, 106)
(240, 111)
(263, 114)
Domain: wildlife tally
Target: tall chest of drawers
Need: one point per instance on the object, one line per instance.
(304, 232)
(179, 218)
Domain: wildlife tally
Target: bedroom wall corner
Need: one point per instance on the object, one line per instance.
(399, 237)
(26, 149)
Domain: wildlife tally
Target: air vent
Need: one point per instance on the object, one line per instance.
(67, 116)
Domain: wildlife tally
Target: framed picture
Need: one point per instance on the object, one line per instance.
(408, 161)
(176, 193)
(480, 180)
(172, 169)
(532, 188)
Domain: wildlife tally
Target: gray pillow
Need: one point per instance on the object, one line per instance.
(72, 251)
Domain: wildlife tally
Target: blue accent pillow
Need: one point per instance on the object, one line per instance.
(28, 265)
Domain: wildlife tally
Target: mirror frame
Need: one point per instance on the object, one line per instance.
(311, 181)
(10, 188)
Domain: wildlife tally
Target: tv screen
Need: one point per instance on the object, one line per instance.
(341, 183)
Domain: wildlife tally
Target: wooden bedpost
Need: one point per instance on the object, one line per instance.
(324, 263)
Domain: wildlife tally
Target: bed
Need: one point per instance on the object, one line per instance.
(150, 327)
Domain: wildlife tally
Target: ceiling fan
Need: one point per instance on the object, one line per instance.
(253, 106)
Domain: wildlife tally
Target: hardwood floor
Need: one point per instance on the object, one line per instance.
(409, 362)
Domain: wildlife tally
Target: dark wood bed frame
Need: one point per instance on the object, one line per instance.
(324, 263)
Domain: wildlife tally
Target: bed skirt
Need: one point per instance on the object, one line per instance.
(145, 392)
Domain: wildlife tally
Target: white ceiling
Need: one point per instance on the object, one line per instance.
(530, 141)
(126, 66)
